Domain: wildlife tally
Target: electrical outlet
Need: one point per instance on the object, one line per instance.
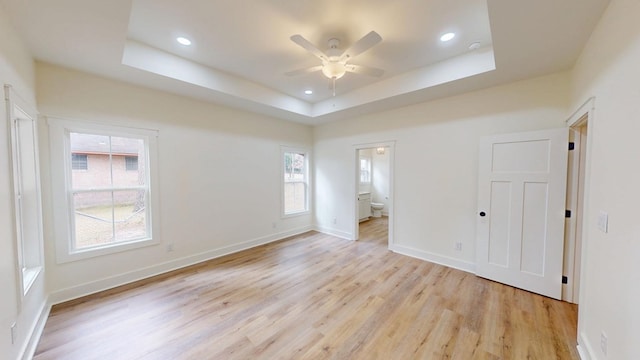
(458, 246)
(335, 220)
(274, 225)
(169, 247)
(603, 342)
(13, 333)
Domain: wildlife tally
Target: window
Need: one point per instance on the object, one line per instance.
(79, 162)
(296, 182)
(27, 211)
(365, 170)
(131, 163)
(109, 206)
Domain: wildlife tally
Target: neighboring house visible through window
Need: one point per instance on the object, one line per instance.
(108, 204)
(131, 163)
(79, 162)
(296, 181)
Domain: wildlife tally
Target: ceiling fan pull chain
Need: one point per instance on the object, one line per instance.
(334, 86)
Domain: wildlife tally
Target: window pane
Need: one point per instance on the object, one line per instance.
(365, 171)
(97, 164)
(295, 195)
(295, 182)
(93, 218)
(130, 215)
(79, 161)
(128, 157)
(294, 167)
(131, 163)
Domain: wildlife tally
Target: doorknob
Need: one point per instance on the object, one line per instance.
(482, 213)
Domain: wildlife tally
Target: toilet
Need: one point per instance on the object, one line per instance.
(377, 209)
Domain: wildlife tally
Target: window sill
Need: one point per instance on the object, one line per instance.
(29, 276)
(296, 214)
(68, 256)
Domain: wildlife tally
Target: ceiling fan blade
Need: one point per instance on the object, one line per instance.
(304, 43)
(367, 42)
(304, 71)
(365, 70)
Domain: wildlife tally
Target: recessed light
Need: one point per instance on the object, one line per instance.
(474, 45)
(183, 41)
(308, 92)
(447, 36)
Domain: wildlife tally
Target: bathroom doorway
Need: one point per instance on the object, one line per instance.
(374, 187)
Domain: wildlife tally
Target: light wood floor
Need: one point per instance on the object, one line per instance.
(313, 296)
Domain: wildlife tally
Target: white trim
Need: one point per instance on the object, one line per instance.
(33, 338)
(59, 130)
(88, 288)
(585, 112)
(334, 232)
(434, 258)
(29, 264)
(586, 108)
(585, 350)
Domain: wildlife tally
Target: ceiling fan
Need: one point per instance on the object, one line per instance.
(335, 62)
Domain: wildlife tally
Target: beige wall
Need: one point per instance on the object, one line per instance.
(609, 70)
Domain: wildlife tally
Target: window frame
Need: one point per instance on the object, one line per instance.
(307, 181)
(62, 190)
(29, 250)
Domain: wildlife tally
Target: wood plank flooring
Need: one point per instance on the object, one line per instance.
(313, 296)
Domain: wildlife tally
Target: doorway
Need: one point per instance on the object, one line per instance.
(373, 186)
(575, 204)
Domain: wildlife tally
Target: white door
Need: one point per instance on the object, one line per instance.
(521, 209)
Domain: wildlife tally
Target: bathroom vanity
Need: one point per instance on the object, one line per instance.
(364, 206)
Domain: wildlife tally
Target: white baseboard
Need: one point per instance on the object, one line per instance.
(434, 258)
(36, 331)
(129, 277)
(333, 232)
(585, 350)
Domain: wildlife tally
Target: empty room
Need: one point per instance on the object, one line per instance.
(319, 179)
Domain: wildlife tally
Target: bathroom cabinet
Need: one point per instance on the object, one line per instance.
(364, 206)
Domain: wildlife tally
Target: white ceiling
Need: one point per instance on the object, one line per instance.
(241, 49)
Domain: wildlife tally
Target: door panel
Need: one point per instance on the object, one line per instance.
(500, 219)
(521, 192)
(534, 235)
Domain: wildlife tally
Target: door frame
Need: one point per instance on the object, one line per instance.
(391, 146)
(577, 235)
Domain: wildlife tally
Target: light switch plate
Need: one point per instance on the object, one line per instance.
(603, 221)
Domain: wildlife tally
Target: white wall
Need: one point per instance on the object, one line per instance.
(435, 162)
(609, 69)
(220, 180)
(16, 69)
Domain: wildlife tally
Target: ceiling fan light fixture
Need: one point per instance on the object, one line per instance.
(333, 70)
